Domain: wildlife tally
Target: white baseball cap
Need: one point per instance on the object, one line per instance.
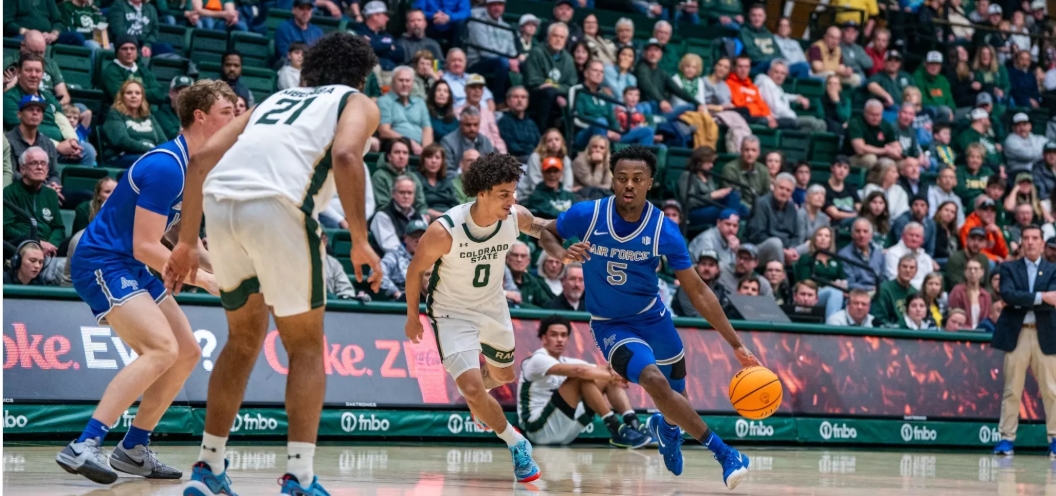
(375, 7)
(933, 57)
(1037, 5)
(979, 114)
(528, 19)
(1020, 117)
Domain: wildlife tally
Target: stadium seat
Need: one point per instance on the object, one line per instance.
(102, 57)
(12, 48)
(260, 81)
(81, 178)
(165, 70)
(75, 64)
(67, 220)
(209, 70)
(256, 50)
(794, 145)
(824, 147)
(769, 139)
(810, 88)
(177, 36)
(208, 46)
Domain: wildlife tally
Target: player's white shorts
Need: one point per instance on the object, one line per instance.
(554, 426)
(487, 330)
(267, 246)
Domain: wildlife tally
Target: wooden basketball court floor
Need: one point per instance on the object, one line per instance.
(442, 470)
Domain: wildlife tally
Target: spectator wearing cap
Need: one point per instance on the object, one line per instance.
(774, 226)
(662, 32)
(972, 250)
(986, 102)
(166, 115)
(1022, 193)
(467, 136)
(657, 86)
(445, 17)
(218, 15)
(985, 216)
(549, 73)
(390, 223)
(746, 174)
(54, 124)
(395, 262)
(826, 58)
(1022, 148)
(1038, 22)
(780, 103)
(854, 55)
(27, 135)
(138, 19)
(889, 302)
(746, 96)
(888, 84)
(33, 194)
(598, 114)
(404, 115)
(549, 198)
(503, 57)
(518, 131)
(862, 250)
(980, 131)
(937, 97)
(918, 212)
(1044, 171)
(375, 20)
(857, 312)
(758, 40)
(709, 270)
(995, 36)
(1050, 249)
(457, 78)
(721, 239)
(870, 139)
(532, 290)
(527, 27)
(563, 12)
(489, 127)
(124, 67)
(811, 216)
(298, 29)
(700, 192)
(743, 266)
(415, 40)
(289, 76)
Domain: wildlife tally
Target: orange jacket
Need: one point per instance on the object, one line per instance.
(745, 94)
(998, 250)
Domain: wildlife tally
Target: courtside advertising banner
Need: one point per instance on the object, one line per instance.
(54, 352)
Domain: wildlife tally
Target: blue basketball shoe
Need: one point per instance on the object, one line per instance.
(1004, 448)
(524, 467)
(734, 466)
(291, 486)
(670, 439)
(206, 483)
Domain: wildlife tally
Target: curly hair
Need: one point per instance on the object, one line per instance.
(555, 319)
(338, 58)
(634, 153)
(201, 96)
(489, 171)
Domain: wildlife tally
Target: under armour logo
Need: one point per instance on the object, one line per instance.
(204, 447)
(291, 457)
(463, 245)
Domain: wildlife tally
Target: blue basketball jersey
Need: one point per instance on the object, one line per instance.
(620, 276)
(154, 182)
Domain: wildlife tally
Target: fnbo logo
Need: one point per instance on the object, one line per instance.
(254, 423)
(14, 421)
(833, 431)
(745, 428)
(989, 435)
(918, 433)
(456, 424)
(350, 423)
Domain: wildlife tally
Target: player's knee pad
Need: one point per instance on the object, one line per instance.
(676, 374)
(630, 359)
(461, 362)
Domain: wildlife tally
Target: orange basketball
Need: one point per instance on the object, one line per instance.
(755, 392)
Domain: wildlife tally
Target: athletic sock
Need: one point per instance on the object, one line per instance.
(94, 429)
(299, 462)
(612, 423)
(712, 441)
(510, 435)
(630, 418)
(134, 437)
(212, 452)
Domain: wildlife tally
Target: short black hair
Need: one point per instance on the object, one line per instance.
(297, 47)
(230, 52)
(1032, 227)
(555, 319)
(489, 171)
(387, 149)
(630, 88)
(636, 153)
(338, 58)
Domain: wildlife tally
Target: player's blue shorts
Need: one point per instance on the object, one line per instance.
(106, 285)
(633, 343)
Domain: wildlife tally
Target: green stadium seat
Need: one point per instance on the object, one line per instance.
(208, 46)
(256, 50)
(93, 100)
(1039, 118)
(702, 48)
(329, 24)
(81, 178)
(276, 17)
(177, 36)
(810, 88)
(67, 219)
(674, 166)
(75, 64)
(824, 147)
(12, 48)
(769, 139)
(102, 57)
(260, 81)
(794, 145)
(209, 70)
(165, 70)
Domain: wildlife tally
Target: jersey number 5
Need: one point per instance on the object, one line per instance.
(283, 106)
(481, 275)
(617, 274)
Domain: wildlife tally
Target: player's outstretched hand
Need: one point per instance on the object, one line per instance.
(578, 252)
(362, 254)
(746, 357)
(414, 330)
(183, 263)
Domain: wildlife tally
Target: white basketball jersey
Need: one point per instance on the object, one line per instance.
(536, 386)
(470, 275)
(284, 150)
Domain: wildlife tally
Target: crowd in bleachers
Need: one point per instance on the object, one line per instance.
(868, 172)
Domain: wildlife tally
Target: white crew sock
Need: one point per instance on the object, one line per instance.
(299, 462)
(510, 435)
(213, 448)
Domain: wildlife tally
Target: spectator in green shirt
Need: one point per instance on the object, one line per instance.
(972, 178)
(54, 125)
(534, 292)
(870, 139)
(889, 303)
(662, 31)
(22, 16)
(888, 84)
(166, 114)
(549, 72)
(592, 109)
(979, 132)
(36, 198)
(549, 198)
(83, 17)
(935, 88)
(52, 80)
(139, 19)
(130, 130)
(124, 67)
(747, 171)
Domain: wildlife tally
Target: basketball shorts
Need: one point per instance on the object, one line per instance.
(633, 343)
(108, 285)
(266, 246)
(557, 423)
(488, 331)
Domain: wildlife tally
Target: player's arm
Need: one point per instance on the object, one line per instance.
(356, 124)
(707, 304)
(147, 231)
(184, 260)
(553, 243)
(434, 244)
(582, 371)
(529, 224)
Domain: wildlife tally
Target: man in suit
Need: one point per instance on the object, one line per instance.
(1026, 332)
